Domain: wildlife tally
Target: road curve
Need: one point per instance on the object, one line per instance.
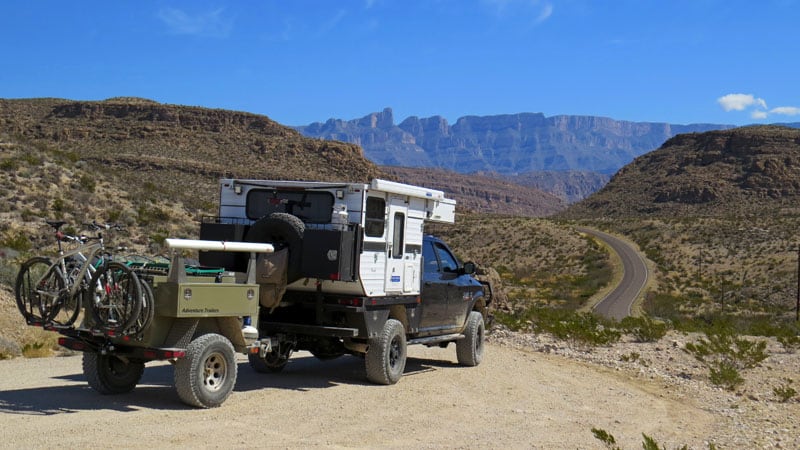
(617, 304)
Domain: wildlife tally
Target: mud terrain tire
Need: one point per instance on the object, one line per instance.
(109, 375)
(207, 375)
(469, 350)
(386, 356)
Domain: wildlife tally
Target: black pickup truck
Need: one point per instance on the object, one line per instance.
(364, 280)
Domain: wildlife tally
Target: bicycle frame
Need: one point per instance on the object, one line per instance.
(91, 249)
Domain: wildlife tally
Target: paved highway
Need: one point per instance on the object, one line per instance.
(617, 304)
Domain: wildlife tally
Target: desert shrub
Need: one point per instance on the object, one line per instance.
(18, 241)
(785, 391)
(87, 182)
(8, 271)
(662, 305)
(724, 354)
(580, 328)
(643, 329)
(648, 443)
(725, 374)
(10, 165)
(606, 438)
(59, 205)
(631, 357)
(36, 349)
(148, 215)
(790, 343)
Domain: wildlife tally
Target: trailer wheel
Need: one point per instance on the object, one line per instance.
(272, 363)
(206, 376)
(469, 350)
(108, 374)
(283, 230)
(386, 356)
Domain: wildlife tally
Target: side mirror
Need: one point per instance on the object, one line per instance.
(469, 268)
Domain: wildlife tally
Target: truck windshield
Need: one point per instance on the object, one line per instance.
(309, 206)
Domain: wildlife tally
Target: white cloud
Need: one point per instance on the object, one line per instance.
(740, 102)
(757, 106)
(209, 24)
(786, 110)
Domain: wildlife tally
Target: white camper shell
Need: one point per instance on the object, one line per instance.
(359, 239)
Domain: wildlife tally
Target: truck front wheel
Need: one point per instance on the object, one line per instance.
(206, 376)
(386, 355)
(469, 350)
(108, 374)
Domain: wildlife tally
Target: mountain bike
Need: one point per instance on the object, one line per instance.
(52, 293)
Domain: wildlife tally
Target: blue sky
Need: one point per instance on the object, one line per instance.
(296, 61)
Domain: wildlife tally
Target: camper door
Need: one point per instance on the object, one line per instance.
(399, 278)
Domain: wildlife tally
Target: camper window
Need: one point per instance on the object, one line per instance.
(398, 235)
(309, 206)
(375, 221)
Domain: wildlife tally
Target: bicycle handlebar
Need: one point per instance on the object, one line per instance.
(95, 226)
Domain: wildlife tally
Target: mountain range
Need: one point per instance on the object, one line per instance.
(508, 144)
(570, 156)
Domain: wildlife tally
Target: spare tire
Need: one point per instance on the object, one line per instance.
(283, 231)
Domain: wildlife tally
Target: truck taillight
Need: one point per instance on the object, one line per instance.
(163, 354)
(71, 344)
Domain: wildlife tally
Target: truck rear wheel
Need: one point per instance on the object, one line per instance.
(272, 363)
(386, 355)
(469, 350)
(108, 374)
(206, 376)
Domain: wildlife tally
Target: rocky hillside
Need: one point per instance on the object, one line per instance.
(737, 172)
(506, 144)
(150, 166)
(482, 193)
(134, 132)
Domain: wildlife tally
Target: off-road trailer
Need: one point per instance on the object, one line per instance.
(199, 323)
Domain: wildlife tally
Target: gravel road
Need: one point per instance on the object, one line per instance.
(514, 399)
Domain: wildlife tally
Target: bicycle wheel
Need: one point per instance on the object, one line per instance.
(65, 310)
(115, 299)
(37, 288)
(148, 310)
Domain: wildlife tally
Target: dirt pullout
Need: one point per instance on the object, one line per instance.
(513, 399)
